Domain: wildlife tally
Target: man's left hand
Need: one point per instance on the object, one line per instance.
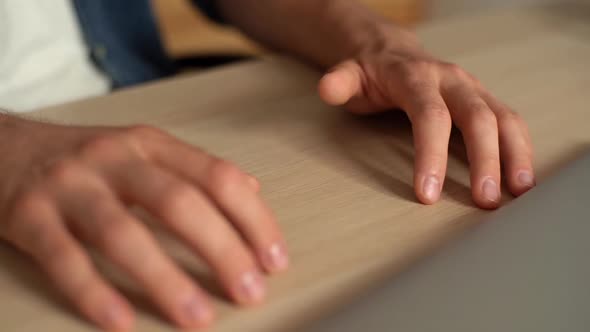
(435, 94)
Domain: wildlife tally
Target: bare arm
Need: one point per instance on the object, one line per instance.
(320, 32)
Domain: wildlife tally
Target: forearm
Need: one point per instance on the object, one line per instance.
(321, 32)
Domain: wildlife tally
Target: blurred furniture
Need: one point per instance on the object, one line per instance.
(186, 32)
(341, 186)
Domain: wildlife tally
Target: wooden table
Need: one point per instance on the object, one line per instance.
(341, 186)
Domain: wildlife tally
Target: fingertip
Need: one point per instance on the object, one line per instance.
(253, 182)
(521, 182)
(103, 306)
(428, 189)
(487, 194)
(117, 315)
(195, 312)
(337, 87)
(251, 289)
(331, 90)
(204, 320)
(425, 200)
(487, 205)
(275, 259)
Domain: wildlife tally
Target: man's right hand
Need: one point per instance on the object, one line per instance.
(63, 189)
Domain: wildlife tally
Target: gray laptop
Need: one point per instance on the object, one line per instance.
(525, 270)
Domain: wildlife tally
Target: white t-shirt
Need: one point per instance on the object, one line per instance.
(43, 58)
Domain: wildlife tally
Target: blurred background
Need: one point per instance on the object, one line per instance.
(186, 33)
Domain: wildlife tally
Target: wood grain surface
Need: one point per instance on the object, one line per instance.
(340, 185)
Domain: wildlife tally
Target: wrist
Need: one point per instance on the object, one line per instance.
(388, 37)
(6, 119)
(370, 34)
(13, 124)
(351, 29)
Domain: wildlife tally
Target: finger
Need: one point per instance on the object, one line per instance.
(479, 127)
(516, 149)
(253, 182)
(228, 187)
(341, 83)
(40, 232)
(95, 213)
(194, 218)
(431, 125)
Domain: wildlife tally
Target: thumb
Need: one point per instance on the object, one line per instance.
(341, 83)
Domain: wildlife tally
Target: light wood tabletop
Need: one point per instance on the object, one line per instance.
(340, 185)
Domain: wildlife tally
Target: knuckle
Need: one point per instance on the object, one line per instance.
(24, 214)
(510, 116)
(437, 113)
(224, 176)
(478, 108)
(416, 82)
(457, 71)
(417, 65)
(63, 171)
(139, 137)
(102, 146)
(481, 120)
(477, 105)
(39, 240)
(484, 116)
(26, 205)
(454, 69)
(415, 73)
(120, 144)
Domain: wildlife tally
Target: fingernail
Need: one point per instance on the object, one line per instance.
(252, 287)
(253, 182)
(116, 316)
(196, 311)
(277, 257)
(490, 190)
(526, 179)
(431, 188)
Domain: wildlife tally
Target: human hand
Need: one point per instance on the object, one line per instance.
(435, 94)
(65, 188)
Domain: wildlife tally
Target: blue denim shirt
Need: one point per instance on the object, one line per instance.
(124, 40)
